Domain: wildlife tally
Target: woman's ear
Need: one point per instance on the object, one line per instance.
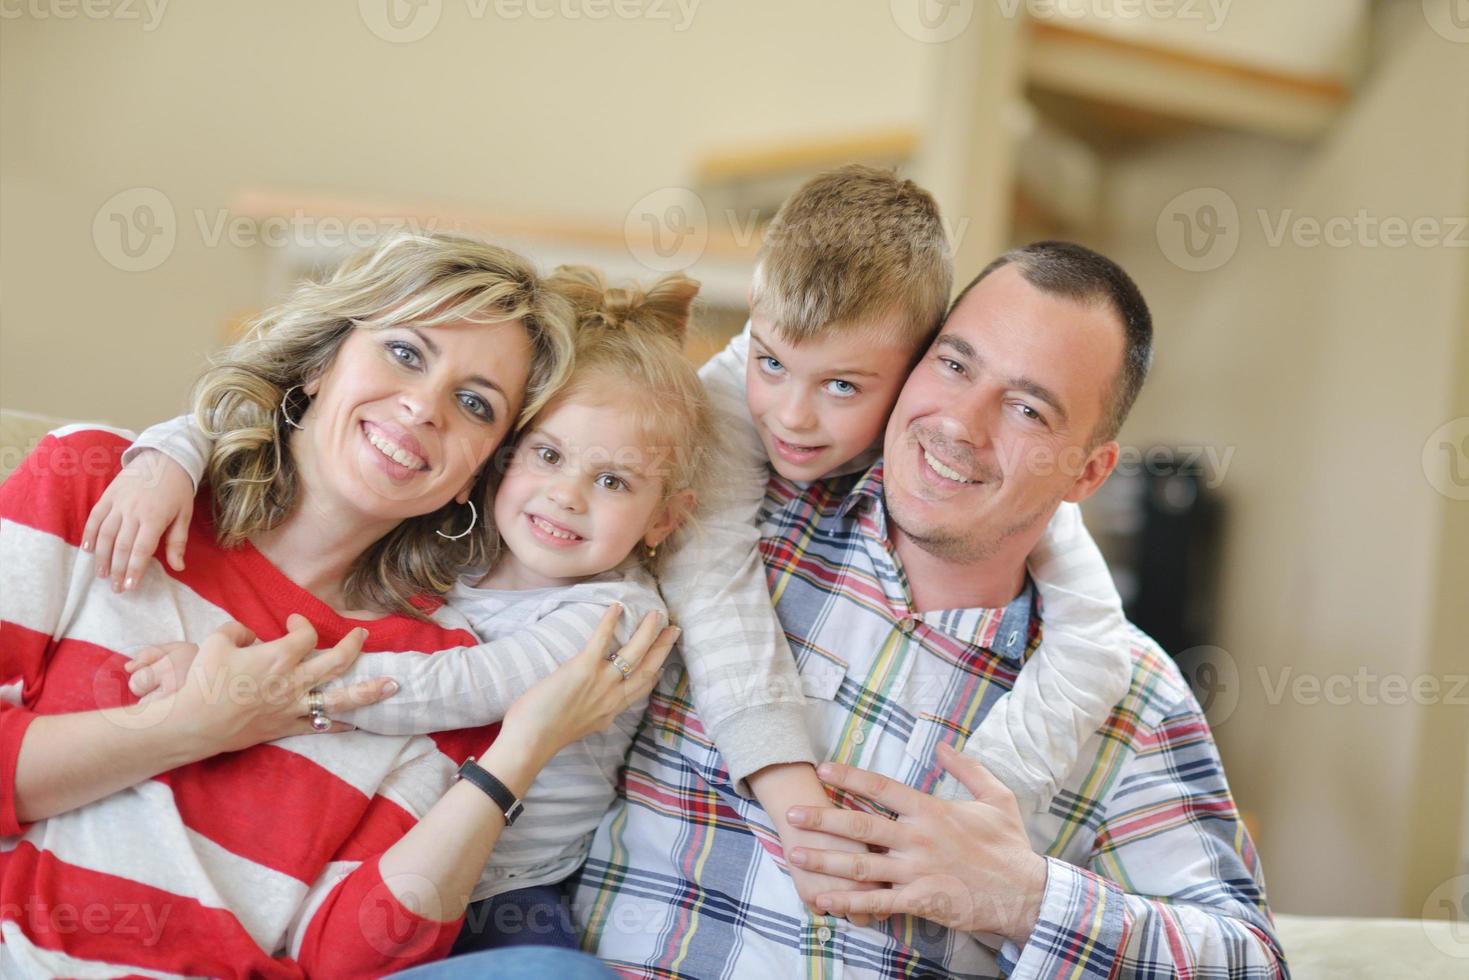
(462, 497)
(669, 517)
(311, 386)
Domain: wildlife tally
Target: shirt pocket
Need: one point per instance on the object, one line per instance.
(922, 749)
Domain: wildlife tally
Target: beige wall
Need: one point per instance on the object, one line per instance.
(1325, 370)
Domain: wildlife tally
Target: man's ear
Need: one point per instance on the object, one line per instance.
(1094, 472)
(669, 517)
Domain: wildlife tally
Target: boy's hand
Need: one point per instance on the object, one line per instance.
(151, 495)
(160, 670)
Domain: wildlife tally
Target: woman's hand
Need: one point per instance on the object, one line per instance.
(238, 693)
(586, 693)
(151, 495)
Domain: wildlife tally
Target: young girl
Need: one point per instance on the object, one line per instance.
(597, 481)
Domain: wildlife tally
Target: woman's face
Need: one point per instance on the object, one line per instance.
(405, 417)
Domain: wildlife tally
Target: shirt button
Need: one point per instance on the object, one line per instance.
(858, 738)
(823, 935)
(906, 624)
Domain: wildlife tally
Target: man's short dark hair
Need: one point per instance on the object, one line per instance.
(1077, 273)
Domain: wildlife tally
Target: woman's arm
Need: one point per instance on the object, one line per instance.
(238, 693)
(393, 909)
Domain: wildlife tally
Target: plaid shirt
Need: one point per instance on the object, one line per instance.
(1150, 871)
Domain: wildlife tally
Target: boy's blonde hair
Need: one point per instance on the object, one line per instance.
(425, 279)
(630, 353)
(853, 246)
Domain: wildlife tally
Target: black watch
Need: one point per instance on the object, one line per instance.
(494, 789)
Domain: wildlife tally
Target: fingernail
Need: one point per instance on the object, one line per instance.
(390, 688)
(796, 815)
(361, 632)
(673, 637)
(127, 584)
(797, 855)
(824, 770)
(86, 546)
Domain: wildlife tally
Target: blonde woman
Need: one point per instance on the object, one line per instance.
(214, 831)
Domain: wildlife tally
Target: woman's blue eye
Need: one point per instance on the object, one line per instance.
(609, 482)
(405, 354)
(770, 364)
(843, 389)
(477, 406)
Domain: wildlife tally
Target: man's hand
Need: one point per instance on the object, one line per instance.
(965, 865)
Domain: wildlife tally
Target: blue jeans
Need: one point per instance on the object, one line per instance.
(535, 916)
(520, 963)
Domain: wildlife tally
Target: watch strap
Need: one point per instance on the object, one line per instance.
(493, 788)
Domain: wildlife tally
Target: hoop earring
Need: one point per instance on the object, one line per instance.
(473, 519)
(287, 415)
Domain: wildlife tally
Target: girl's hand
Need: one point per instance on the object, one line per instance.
(238, 693)
(586, 693)
(160, 670)
(151, 495)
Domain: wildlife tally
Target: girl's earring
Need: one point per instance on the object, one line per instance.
(652, 551)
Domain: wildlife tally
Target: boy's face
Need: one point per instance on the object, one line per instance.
(818, 404)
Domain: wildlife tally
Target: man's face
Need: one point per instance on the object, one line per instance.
(992, 429)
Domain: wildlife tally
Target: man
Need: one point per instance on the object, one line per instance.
(903, 592)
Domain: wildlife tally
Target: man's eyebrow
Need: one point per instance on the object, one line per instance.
(961, 346)
(477, 379)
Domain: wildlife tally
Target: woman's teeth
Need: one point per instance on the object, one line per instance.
(948, 473)
(555, 532)
(396, 453)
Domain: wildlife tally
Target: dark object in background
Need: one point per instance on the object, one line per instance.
(1157, 521)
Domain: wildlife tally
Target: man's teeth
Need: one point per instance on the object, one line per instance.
(554, 531)
(946, 472)
(397, 454)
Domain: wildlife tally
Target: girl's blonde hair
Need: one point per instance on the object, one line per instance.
(630, 347)
(426, 279)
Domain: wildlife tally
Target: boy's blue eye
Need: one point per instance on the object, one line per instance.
(770, 364)
(842, 389)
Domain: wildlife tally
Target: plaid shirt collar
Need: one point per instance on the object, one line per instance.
(1005, 633)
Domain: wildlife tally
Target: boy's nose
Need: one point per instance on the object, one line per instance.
(796, 415)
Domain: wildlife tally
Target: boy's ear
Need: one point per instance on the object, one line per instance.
(670, 516)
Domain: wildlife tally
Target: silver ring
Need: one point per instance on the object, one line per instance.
(316, 708)
(621, 665)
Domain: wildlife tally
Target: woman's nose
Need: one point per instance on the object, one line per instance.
(422, 405)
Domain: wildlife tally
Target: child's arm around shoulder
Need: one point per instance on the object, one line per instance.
(152, 494)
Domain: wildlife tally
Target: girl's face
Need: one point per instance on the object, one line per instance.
(582, 491)
(404, 417)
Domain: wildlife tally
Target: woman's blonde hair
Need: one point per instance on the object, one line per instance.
(425, 279)
(630, 346)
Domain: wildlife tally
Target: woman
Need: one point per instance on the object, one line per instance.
(177, 837)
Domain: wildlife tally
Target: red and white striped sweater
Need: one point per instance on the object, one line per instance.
(262, 862)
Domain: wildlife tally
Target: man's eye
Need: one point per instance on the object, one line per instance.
(845, 389)
(405, 354)
(548, 455)
(952, 365)
(477, 406)
(1031, 413)
(609, 482)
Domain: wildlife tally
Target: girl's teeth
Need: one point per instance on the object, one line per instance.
(944, 471)
(398, 455)
(554, 532)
